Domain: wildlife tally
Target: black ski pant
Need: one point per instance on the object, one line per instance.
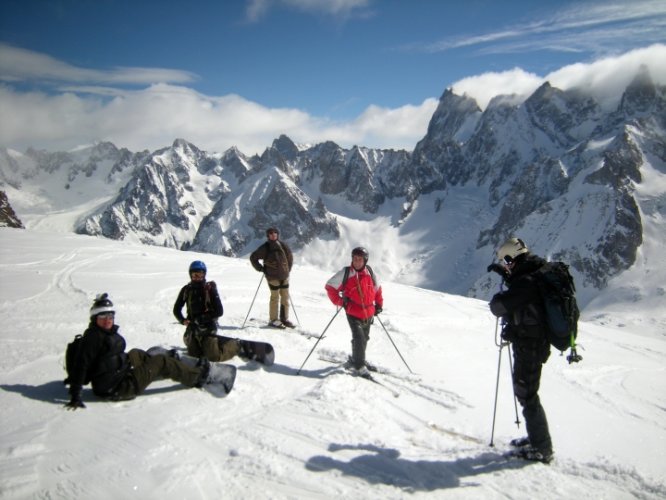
(529, 354)
(360, 329)
(147, 369)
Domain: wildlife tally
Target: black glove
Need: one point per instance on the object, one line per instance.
(75, 402)
(507, 334)
(495, 267)
(378, 310)
(261, 268)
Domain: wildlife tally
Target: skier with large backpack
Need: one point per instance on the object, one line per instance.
(522, 310)
(98, 357)
(355, 288)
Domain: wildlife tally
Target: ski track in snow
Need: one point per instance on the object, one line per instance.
(320, 434)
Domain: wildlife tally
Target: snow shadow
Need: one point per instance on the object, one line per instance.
(49, 392)
(56, 392)
(384, 466)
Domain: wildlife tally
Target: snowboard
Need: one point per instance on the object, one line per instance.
(221, 376)
(262, 352)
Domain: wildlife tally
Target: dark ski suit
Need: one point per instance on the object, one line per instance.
(525, 326)
(117, 375)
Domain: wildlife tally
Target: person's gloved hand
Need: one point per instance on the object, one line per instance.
(261, 268)
(75, 402)
(378, 310)
(495, 267)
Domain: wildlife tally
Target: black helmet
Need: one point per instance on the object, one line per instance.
(361, 251)
(197, 266)
(102, 304)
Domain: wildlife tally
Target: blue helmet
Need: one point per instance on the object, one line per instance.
(197, 265)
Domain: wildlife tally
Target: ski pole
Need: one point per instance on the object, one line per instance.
(320, 337)
(396, 347)
(515, 399)
(499, 362)
(294, 309)
(255, 297)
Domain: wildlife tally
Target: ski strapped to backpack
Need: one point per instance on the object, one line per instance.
(558, 293)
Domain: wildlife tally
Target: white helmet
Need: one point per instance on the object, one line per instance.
(512, 248)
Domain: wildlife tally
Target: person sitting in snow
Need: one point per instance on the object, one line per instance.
(356, 289)
(204, 307)
(116, 375)
(525, 326)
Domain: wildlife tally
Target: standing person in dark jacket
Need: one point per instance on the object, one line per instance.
(521, 309)
(361, 296)
(115, 374)
(277, 261)
(204, 307)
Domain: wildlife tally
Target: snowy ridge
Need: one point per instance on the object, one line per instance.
(318, 435)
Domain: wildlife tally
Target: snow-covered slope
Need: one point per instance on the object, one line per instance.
(320, 434)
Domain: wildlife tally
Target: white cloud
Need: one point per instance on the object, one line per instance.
(599, 28)
(17, 64)
(486, 86)
(605, 78)
(154, 117)
(340, 9)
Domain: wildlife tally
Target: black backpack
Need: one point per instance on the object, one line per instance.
(71, 355)
(558, 292)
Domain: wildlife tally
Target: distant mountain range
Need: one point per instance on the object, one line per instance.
(576, 182)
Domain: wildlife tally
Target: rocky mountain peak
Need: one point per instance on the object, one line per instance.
(641, 95)
(286, 147)
(8, 217)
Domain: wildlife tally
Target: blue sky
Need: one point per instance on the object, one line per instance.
(224, 73)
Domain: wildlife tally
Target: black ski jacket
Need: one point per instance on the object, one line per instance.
(103, 357)
(521, 305)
